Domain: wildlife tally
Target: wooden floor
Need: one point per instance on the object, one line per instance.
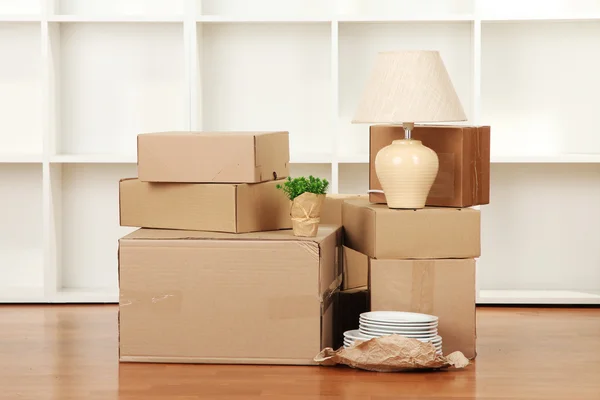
(70, 353)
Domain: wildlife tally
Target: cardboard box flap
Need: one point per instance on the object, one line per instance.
(330, 274)
(287, 235)
(356, 290)
(356, 269)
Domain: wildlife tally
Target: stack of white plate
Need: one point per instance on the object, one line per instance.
(374, 324)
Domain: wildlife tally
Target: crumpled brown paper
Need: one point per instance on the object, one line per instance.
(391, 353)
(306, 214)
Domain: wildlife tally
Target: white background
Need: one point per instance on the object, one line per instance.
(79, 79)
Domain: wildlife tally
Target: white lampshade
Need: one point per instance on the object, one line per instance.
(409, 86)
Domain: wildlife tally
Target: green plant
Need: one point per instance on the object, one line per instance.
(295, 187)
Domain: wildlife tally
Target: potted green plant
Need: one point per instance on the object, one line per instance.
(306, 195)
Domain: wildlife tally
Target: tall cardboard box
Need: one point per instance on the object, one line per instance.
(463, 179)
(431, 232)
(201, 297)
(221, 157)
(221, 207)
(445, 288)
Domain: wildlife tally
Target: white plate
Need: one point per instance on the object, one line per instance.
(397, 317)
(371, 334)
(355, 335)
(408, 331)
(399, 326)
(433, 340)
(407, 324)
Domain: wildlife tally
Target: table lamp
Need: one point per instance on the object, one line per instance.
(405, 88)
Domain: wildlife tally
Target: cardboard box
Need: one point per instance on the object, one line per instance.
(350, 304)
(224, 207)
(331, 211)
(221, 157)
(200, 297)
(355, 269)
(431, 232)
(445, 288)
(463, 179)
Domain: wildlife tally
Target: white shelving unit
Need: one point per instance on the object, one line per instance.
(81, 78)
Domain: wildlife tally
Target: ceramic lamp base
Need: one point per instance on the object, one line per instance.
(406, 170)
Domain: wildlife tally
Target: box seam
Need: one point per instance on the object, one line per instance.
(235, 211)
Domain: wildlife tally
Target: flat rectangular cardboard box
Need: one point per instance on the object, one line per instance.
(220, 207)
(355, 268)
(350, 304)
(445, 288)
(463, 179)
(201, 297)
(221, 157)
(331, 211)
(431, 232)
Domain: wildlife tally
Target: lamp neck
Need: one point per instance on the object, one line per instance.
(408, 127)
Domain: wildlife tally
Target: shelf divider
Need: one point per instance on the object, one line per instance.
(335, 105)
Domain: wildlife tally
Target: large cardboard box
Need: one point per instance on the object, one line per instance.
(200, 297)
(463, 179)
(218, 207)
(445, 288)
(331, 211)
(222, 157)
(431, 232)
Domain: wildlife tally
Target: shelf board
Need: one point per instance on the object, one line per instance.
(525, 159)
(20, 158)
(22, 295)
(307, 158)
(547, 159)
(86, 296)
(538, 297)
(20, 18)
(415, 18)
(311, 158)
(353, 159)
(115, 18)
(94, 159)
(542, 18)
(37, 295)
(259, 19)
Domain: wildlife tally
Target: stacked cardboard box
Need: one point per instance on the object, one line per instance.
(220, 278)
(424, 260)
(463, 178)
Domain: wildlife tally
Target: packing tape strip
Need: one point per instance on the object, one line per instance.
(423, 282)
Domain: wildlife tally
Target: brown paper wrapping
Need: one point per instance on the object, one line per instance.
(306, 214)
(393, 353)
